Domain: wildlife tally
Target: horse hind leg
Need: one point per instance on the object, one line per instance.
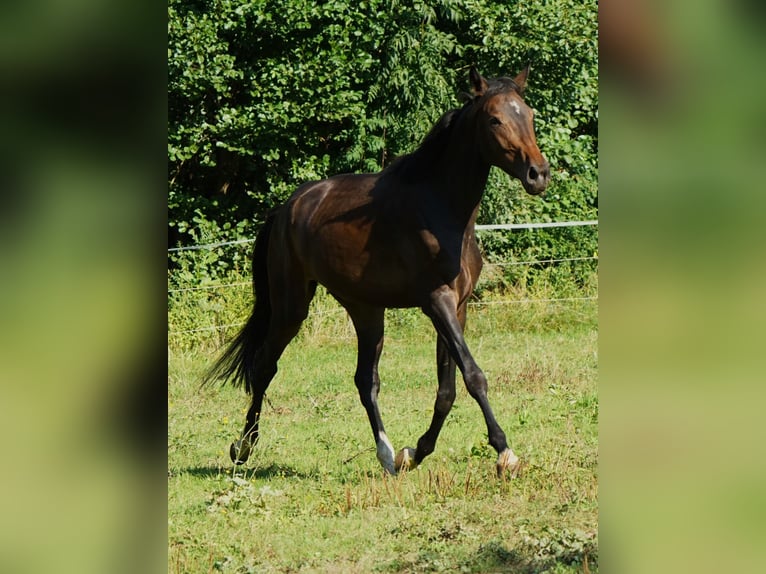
(264, 371)
(369, 326)
(408, 458)
(285, 322)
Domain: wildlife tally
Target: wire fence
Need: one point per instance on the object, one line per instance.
(500, 264)
(488, 227)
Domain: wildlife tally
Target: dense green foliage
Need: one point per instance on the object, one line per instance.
(264, 95)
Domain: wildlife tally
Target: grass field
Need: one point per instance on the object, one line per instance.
(313, 497)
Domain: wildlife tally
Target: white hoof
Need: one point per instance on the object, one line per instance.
(508, 462)
(405, 459)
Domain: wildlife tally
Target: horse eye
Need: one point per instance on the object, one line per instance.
(493, 121)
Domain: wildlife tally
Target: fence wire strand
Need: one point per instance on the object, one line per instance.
(488, 227)
(337, 311)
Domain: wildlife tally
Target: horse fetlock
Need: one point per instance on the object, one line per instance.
(508, 462)
(405, 459)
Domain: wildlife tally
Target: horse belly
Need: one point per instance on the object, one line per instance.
(372, 283)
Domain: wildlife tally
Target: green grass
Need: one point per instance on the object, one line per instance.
(313, 497)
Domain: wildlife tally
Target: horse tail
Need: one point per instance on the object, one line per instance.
(238, 362)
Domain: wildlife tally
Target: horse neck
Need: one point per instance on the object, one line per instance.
(463, 174)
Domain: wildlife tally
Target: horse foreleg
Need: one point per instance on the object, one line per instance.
(443, 314)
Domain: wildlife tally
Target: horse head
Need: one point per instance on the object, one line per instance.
(505, 130)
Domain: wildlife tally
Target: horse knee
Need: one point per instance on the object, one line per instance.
(366, 400)
(476, 383)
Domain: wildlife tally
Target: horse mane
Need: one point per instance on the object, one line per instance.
(416, 165)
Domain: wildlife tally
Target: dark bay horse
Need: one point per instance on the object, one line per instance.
(403, 237)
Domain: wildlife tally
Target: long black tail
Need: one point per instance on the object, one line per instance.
(237, 364)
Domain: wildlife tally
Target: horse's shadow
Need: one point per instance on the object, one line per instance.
(264, 472)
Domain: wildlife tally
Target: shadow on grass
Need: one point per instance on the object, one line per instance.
(494, 557)
(271, 471)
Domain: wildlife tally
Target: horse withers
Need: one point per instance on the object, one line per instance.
(403, 237)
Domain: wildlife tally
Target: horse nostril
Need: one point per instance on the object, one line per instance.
(539, 173)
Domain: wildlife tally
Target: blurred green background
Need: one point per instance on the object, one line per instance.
(682, 314)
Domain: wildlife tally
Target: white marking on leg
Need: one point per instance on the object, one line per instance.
(385, 453)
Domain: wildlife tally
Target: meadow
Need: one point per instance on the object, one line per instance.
(313, 498)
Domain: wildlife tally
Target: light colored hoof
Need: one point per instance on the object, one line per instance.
(508, 464)
(405, 459)
(239, 451)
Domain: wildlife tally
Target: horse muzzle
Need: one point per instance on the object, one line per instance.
(536, 178)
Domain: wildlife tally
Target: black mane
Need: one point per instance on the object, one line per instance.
(415, 165)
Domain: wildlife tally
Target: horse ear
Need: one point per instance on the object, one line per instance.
(521, 80)
(478, 83)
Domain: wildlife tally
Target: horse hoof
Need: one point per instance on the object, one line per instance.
(509, 463)
(405, 459)
(239, 451)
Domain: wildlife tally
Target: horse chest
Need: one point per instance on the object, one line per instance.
(444, 252)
